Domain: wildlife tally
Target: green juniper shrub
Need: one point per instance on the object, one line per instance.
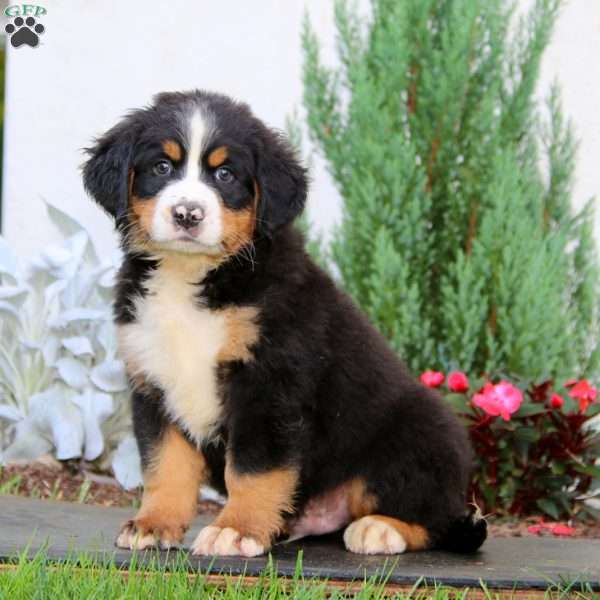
(459, 237)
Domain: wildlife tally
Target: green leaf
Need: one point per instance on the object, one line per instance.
(459, 402)
(549, 507)
(530, 409)
(594, 513)
(507, 489)
(593, 410)
(489, 493)
(589, 470)
(528, 434)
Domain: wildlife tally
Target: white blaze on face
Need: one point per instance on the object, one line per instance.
(190, 189)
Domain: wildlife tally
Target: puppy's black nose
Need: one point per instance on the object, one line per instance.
(187, 214)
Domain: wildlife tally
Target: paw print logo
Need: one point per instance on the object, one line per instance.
(24, 31)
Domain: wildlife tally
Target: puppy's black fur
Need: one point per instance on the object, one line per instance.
(324, 393)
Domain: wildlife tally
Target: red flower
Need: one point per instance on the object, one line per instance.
(502, 399)
(570, 382)
(584, 393)
(432, 379)
(554, 528)
(458, 382)
(560, 529)
(556, 401)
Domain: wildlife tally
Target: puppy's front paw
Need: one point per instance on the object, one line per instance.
(146, 532)
(225, 541)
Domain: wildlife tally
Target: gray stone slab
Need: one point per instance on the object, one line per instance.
(532, 563)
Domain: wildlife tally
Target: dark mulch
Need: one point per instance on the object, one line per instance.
(55, 482)
(72, 484)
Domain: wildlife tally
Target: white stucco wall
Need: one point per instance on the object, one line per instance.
(99, 58)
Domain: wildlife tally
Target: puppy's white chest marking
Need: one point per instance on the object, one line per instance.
(174, 343)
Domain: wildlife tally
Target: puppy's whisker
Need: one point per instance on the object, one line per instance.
(246, 251)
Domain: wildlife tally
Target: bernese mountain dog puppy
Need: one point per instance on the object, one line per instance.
(250, 370)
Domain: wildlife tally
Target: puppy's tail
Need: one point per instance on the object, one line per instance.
(466, 534)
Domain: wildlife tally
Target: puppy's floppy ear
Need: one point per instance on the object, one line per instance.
(106, 173)
(282, 183)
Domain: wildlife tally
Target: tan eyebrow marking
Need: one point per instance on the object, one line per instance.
(218, 156)
(172, 149)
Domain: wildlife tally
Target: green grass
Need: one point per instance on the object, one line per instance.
(11, 486)
(84, 577)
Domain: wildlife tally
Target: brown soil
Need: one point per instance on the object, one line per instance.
(56, 482)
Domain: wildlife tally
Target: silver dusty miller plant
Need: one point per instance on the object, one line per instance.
(62, 388)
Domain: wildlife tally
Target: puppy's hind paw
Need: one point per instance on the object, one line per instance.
(369, 535)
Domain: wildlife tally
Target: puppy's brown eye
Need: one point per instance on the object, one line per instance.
(162, 168)
(224, 175)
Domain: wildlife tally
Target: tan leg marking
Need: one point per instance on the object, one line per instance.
(172, 149)
(241, 333)
(360, 501)
(378, 534)
(252, 516)
(218, 156)
(170, 498)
